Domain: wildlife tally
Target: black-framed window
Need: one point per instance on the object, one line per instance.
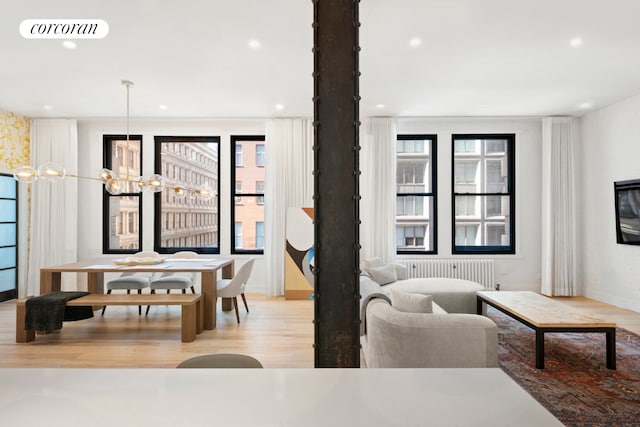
(416, 189)
(247, 191)
(185, 221)
(8, 237)
(122, 213)
(483, 202)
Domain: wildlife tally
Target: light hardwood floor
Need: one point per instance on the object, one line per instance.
(277, 332)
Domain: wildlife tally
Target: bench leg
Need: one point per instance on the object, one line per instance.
(21, 334)
(200, 316)
(189, 326)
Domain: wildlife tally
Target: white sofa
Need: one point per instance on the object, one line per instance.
(395, 339)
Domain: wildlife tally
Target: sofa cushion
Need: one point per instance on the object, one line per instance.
(383, 274)
(371, 263)
(454, 295)
(411, 303)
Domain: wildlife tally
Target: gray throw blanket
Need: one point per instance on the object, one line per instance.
(369, 290)
(47, 312)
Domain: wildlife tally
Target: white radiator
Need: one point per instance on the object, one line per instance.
(477, 270)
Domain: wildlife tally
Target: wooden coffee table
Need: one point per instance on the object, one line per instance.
(543, 314)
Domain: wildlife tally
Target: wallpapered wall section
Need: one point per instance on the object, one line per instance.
(14, 141)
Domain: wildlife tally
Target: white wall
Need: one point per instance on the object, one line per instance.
(610, 152)
(513, 272)
(90, 133)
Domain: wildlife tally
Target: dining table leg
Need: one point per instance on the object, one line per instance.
(95, 282)
(227, 273)
(50, 281)
(210, 296)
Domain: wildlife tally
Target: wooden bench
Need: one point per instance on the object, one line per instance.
(192, 311)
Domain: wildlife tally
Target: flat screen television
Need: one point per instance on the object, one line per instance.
(627, 194)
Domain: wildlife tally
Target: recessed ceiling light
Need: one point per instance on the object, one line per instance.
(162, 107)
(380, 106)
(254, 44)
(279, 107)
(576, 42)
(414, 42)
(585, 105)
(68, 44)
(47, 107)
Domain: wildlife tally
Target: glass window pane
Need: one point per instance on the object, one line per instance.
(467, 146)
(189, 221)
(125, 161)
(413, 206)
(467, 235)
(409, 146)
(7, 279)
(412, 176)
(468, 206)
(411, 237)
(238, 235)
(260, 155)
(121, 227)
(260, 235)
(249, 210)
(8, 187)
(495, 182)
(123, 222)
(466, 176)
(497, 235)
(489, 229)
(249, 217)
(7, 210)
(8, 235)
(414, 198)
(495, 146)
(494, 206)
(7, 257)
(483, 166)
(238, 155)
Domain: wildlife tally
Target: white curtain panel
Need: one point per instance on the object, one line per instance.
(377, 188)
(53, 224)
(289, 183)
(559, 263)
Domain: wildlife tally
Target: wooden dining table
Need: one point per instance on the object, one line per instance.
(51, 277)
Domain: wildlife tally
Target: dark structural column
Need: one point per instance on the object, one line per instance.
(336, 126)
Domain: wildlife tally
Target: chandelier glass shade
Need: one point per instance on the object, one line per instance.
(114, 183)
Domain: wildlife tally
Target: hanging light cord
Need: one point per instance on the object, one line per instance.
(126, 153)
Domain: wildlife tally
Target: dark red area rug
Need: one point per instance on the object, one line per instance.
(575, 385)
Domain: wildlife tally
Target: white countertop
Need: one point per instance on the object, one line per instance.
(266, 397)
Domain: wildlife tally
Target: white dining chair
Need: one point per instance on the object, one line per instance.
(132, 281)
(231, 288)
(172, 280)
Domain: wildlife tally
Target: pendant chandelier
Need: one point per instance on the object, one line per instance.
(115, 183)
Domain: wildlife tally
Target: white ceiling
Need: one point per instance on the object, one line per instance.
(477, 58)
